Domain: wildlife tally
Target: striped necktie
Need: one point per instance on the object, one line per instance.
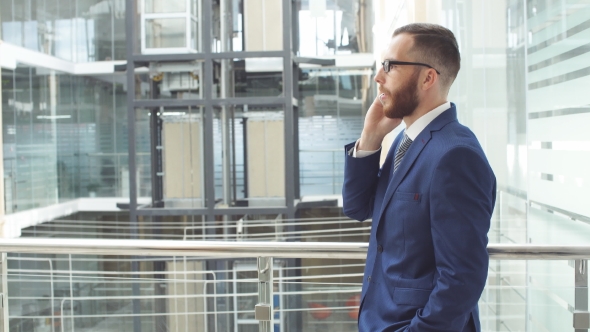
(401, 151)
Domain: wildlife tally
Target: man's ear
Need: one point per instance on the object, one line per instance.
(429, 79)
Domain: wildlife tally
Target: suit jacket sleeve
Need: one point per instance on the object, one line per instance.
(360, 183)
(462, 196)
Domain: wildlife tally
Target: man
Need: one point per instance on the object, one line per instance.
(431, 201)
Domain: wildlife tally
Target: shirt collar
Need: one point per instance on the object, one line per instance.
(416, 128)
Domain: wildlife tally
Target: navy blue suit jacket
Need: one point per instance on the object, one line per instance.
(427, 261)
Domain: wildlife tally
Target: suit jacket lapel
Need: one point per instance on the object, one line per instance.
(413, 152)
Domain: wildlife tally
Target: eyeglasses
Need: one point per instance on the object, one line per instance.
(388, 63)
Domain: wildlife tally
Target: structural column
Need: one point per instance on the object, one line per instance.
(4, 321)
(263, 311)
(2, 207)
(288, 86)
(581, 314)
(130, 18)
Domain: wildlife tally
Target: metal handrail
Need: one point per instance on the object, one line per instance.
(338, 250)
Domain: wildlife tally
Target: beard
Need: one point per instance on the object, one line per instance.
(404, 101)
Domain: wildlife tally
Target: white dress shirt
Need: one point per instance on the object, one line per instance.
(412, 131)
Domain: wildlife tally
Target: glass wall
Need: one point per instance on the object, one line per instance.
(252, 77)
(30, 143)
(335, 27)
(332, 103)
(181, 170)
(252, 140)
(65, 137)
(558, 143)
(74, 30)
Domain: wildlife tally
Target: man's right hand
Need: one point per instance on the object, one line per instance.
(377, 125)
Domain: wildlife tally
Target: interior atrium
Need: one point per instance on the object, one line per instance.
(223, 121)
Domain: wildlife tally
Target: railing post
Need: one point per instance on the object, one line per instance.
(4, 326)
(581, 314)
(334, 172)
(263, 310)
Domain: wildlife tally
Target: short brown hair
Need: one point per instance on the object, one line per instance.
(436, 46)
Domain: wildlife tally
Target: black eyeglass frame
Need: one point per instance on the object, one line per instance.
(388, 63)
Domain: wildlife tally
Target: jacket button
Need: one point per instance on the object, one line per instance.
(380, 248)
(369, 278)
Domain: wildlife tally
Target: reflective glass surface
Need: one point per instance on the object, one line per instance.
(181, 172)
(173, 6)
(251, 77)
(64, 137)
(335, 27)
(249, 154)
(79, 31)
(248, 25)
(165, 32)
(331, 115)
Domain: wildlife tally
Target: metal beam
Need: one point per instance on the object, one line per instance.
(130, 11)
(5, 321)
(263, 311)
(2, 186)
(581, 317)
(206, 211)
(289, 120)
(208, 155)
(251, 101)
(208, 139)
(156, 103)
(129, 25)
(155, 152)
(206, 55)
(314, 61)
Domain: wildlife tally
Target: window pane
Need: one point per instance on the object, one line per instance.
(165, 32)
(168, 6)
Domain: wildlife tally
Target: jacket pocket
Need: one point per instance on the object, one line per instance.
(413, 197)
(411, 296)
